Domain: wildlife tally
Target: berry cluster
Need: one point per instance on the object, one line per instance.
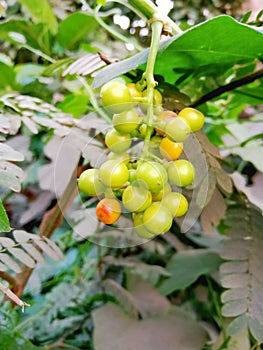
(147, 187)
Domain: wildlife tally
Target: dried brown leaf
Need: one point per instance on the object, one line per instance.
(207, 145)
(224, 181)
(213, 212)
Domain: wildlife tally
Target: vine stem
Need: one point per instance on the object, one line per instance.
(149, 10)
(157, 27)
(93, 100)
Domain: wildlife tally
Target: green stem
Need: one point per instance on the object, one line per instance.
(93, 100)
(109, 29)
(157, 28)
(149, 10)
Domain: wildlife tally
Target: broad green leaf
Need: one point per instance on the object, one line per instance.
(21, 32)
(75, 28)
(209, 48)
(7, 76)
(60, 64)
(4, 221)
(175, 329)
(186, 267)
(74, 104)
(41, 12)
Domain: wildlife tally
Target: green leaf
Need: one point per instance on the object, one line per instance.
(4, 221)
(74, 104)
(60, 64)
(207, 49)
(41, 13)
(22, 32)
(101, 2)
(186, 267)
(7, 76)
(75, 28)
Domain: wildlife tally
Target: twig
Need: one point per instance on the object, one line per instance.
(174, 242)
(228, 87)
(10, 279)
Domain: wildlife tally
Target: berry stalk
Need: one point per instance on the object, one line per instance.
(157, 28)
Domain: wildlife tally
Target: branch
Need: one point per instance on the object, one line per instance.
(10, 279)
(228, 87)
(174, 242)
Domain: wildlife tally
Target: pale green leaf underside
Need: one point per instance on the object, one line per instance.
(25, 250)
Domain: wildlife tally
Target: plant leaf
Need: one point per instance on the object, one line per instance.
(4, 221)
(186, 267)
(196, 47)
(82, 25)
(242, 273)
(12, 296)
(42, 13)
(253, 191)
(115, 330)
(213, 212)
(22, 256)
(9, 262)
(122, 295)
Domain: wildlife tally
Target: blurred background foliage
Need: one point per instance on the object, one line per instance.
(98, 297)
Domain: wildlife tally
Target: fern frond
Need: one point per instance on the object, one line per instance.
(26, 248)
(242, 272)
(11, 175)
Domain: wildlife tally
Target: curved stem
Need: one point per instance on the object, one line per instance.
(157, 28)
(108, 28)
(93, 100)
(149, 10)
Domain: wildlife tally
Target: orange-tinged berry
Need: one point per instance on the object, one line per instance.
(108, 210)
(170, 150)
(164, 117)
